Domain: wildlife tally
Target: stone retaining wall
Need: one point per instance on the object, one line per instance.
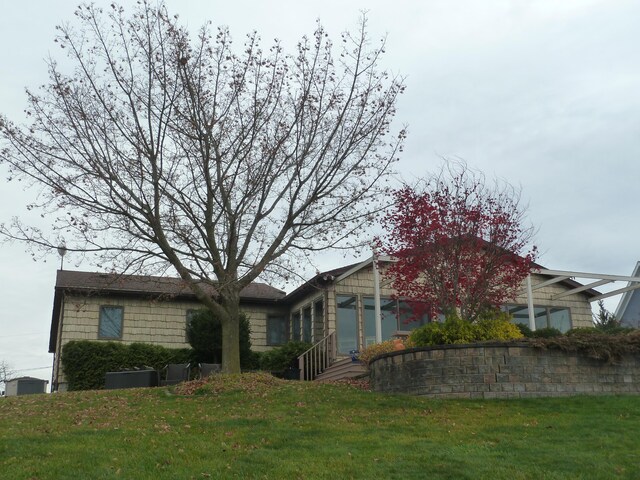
(500, 371)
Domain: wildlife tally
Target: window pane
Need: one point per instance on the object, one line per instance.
(519, 313)
(347, 329)
(276, 330)
(318, 319)
(387, 316)
(410, 316)
(306, 324)
(541, 317)
(369, 321)
(295, 326)
(110, 322)
(559, 318)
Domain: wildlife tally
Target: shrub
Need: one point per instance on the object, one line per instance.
(547, 332)
(371, 351)
(598, 345)
(582, 331)
(85, 363)
(524, 330)
(454, 330)
(204, 334)
(282, 358)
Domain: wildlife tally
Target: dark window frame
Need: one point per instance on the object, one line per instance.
(102, 311)
(269, 328)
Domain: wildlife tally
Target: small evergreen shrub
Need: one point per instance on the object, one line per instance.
(582, 331)
(85, 363)
(204, 334)
(524, 330)
(282, 358)
(547, 332)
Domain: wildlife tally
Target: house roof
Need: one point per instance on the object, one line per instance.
(626, 297)
(92, 283)
(148, 285)
(320, 280)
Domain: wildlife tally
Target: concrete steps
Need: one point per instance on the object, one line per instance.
(345, 368)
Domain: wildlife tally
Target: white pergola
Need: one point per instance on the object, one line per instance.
(600, 279)
(632, 283)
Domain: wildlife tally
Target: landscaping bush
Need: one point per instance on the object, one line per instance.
(582, 331)
(547, 332)
(454, 330)
(204, 334)
(371, 351)
(282, 358)
(85, 363)
(524, 330)
(594, 344)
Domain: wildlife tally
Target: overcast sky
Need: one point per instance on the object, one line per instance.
(543, 94)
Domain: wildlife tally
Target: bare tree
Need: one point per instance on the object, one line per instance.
(159, 150)
(6, 374)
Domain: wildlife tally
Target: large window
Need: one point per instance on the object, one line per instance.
(411, 315)
(545, 317)
(295, 327)
(276, 330)
(306, 324)
(394, 315)
(388, 317)
(347, 323)
(318, 319)
(110, 325)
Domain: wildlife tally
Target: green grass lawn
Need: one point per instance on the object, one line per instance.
(260, 427)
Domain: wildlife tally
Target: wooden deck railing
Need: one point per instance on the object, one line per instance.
(318, 358)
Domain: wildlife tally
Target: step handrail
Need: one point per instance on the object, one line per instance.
(318, 358)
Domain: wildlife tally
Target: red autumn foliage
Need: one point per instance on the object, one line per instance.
(460, 245)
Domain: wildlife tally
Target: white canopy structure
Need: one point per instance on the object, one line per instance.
(600, 279)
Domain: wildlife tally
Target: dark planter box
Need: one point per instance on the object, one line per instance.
(131, 379)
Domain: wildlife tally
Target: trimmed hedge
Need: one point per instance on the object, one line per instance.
(454, 330)
(85, 362)
(284, 357)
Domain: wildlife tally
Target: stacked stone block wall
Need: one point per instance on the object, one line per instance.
(501, 371)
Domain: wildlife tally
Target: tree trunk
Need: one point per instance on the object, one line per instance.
(230, 333)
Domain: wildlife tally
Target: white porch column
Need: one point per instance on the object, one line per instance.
(376, 297)
(532, 315)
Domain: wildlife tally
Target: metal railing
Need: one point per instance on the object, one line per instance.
(318, 358)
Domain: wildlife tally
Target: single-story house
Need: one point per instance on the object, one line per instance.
(339, 303)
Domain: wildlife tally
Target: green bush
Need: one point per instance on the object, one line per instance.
(582, 331)
(524, 330)
(282, 358)
(454, 330)
(204, 334)
(84, 363)
(547, 332)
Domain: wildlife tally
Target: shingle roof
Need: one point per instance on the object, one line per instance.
(140, 284)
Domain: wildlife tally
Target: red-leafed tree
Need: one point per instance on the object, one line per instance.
(461, 245)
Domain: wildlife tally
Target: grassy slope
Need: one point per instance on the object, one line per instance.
(259, 427)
